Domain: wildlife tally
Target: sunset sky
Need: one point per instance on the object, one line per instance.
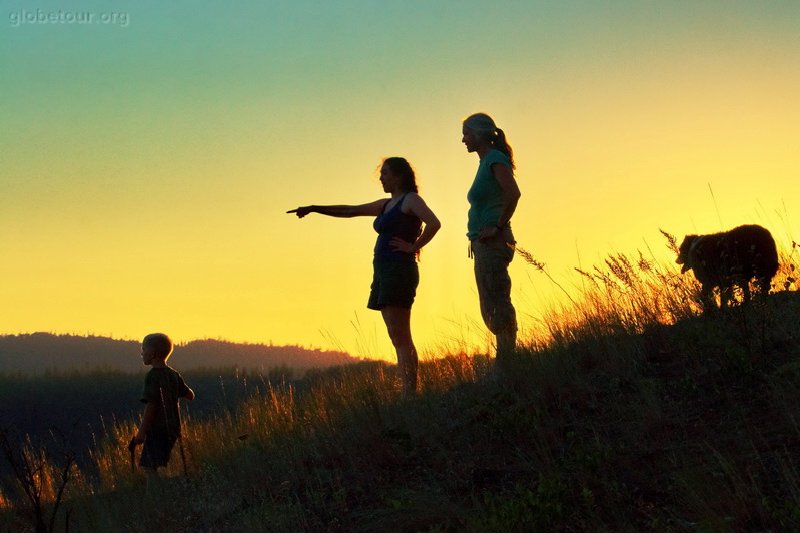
(147, 158)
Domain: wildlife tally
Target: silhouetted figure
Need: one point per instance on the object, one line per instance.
(399, 222)
(161, 422)
(493, 199)
(730, 258)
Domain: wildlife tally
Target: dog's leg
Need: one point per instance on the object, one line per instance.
(764, 285)
(745, 291)
(707, 298)
(725, 296)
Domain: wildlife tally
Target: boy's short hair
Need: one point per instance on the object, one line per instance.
(161, 344)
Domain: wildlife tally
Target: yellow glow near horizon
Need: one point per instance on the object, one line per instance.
(145, 182)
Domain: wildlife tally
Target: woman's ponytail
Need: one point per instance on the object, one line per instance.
(501, 144)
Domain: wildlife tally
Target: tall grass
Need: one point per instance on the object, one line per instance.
(629, 293)
(630, 412)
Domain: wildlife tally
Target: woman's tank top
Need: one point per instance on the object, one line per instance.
(395, 223)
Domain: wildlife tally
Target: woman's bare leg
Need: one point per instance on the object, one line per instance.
(398, 324)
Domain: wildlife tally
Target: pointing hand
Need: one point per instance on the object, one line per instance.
(301, 211)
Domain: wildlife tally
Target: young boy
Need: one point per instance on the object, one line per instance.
(163, 386)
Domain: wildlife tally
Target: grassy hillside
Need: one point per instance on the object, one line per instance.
(68, 390)
(78, 408)
(632, 413)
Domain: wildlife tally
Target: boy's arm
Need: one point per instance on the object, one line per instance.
(150, 411)
(183, 389)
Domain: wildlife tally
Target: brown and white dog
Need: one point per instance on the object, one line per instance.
(730, 258)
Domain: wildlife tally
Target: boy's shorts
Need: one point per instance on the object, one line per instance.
(157, 448)
(393, 283)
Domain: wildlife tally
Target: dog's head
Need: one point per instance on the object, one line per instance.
(685, 252)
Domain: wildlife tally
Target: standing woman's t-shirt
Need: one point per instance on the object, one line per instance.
(485, 197)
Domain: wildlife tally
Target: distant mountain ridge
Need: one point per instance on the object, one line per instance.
(35, 353)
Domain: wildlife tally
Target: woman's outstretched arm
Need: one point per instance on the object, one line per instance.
(371, 209)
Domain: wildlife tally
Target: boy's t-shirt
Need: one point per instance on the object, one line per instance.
(164, 386)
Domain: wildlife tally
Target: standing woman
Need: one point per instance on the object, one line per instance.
(399, 223)
(492, 199)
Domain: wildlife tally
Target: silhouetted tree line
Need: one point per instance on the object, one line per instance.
(36, 353)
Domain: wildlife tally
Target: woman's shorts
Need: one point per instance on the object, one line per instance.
(393, 283)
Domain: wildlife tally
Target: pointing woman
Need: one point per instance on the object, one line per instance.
(404, 224)
(493, 199)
